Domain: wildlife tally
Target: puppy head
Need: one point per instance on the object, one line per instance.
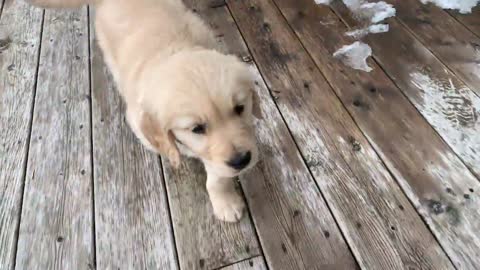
(202, 102)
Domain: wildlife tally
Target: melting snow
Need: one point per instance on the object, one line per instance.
(375, 11)
(375, 28)
(355, 55)
(452, 109)
(325, 2)
(464, 6)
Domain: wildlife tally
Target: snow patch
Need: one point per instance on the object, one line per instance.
(324, 2)
(375, 12)
(355, 55)
(452, 109)
(464, 6)
(375, 28)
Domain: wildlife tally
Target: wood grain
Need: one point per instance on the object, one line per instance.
(20, 28)
(470, 20)
(56, 222)
(364, 198)
(445, 37)
(444, 100)
(250, 264)
(204, 242)
(290, 215)
(133, 227)
(411, 149)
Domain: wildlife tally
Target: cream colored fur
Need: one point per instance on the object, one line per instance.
(173, 79)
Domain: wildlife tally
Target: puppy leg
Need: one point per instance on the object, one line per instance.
(227, 204)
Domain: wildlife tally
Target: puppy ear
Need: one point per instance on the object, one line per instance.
(162, 140)
(257, 112)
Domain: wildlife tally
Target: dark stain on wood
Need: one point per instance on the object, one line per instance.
(277, 54)
(466, 196)
(423, 21)
(250, 263)
(355, 144)
(359, 103)
(266, 28)
(450, 191)
(201, 262)
(306, 85)
(5, 43)
(435, 206)
(475, 46)
(454, 215)
(327, 234)
(284, 248)
(60, 239)
(217, 3)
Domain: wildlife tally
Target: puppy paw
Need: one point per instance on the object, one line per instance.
(228, 207)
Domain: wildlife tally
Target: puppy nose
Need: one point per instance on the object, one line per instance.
(240, 160)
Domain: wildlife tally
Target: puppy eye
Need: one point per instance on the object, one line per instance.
(239, 109)
(199, 129)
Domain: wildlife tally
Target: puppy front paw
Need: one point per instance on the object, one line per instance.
(228, 207)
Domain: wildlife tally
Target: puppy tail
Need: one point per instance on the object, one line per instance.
(61, 3)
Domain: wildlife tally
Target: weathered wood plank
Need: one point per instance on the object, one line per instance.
(289, 212)
(444, 100)
(250, 264)
(204, 242)
(56, 222)
(133, 227)
(20, 28)
(382, 228)
(471, 21)
(445, 37)
(411, 149)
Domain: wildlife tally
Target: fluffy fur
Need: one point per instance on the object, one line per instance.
(182, 94)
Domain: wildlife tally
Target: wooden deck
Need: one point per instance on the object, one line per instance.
(359, 170)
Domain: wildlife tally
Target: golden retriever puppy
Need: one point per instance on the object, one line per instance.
(182, 94)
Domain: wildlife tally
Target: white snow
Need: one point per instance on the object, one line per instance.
(378, 11)
(374, 28)
(355, 55)
(375, 12)
(379, 28)
(464, 6)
